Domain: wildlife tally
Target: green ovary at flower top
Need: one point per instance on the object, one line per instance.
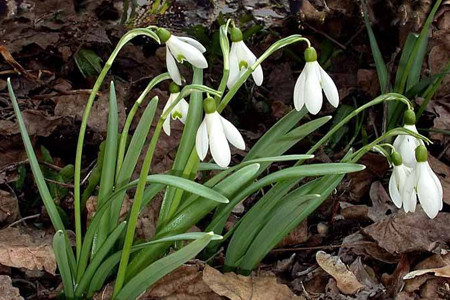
(179, 49)
(180, 110)
(240, 59)
(215, 132)
(309, 85)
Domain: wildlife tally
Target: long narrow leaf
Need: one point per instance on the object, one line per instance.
(160, 268)
(59, 247)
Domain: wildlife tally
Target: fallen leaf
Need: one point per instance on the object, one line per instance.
(25, 248)
(185, 283)
(345, 279)
(441, 272)
(7, 291)
(237, 287)
(9, 207)
(381, 202)
(297, 236)
(404, 233)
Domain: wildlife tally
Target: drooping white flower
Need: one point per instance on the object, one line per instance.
(180, 110)
(311, 82)
(240, 59)
(215, 132)
(406, 144)
(398, 179)
(423, 184)
(179, 49)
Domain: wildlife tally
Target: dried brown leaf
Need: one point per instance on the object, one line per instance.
(404, 233)
(441, 272)
(9, 207)
(7, 291)
(237, 287)
(345, 279)
(25, 248)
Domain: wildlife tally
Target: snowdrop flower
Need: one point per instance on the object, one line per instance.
(406, 144)
(309, 85)
(240, 59)
(215, 132)
(180, 110)
(400, 174)
(179, 49)
(423, 184)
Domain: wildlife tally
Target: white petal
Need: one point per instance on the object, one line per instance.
(234, 66)
(193, 42)
(313, 90)
(329, 88)
(220, 150)
(250, 58)
(438, 184)
(190, 53)
(232, 134)
(183, 108)
(393, 190)
(166, 125)
(299, 91)
(408, 194)
(172, 67)
(427, 191)
(201, 140)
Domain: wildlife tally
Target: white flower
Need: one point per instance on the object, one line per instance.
(215, 132)
(423, 184)
(400, 174)
(179, 49)
(309, 85)
(179, 112)
(407, 144)
(240, 59)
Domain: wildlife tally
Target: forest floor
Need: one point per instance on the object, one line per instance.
(52, 50)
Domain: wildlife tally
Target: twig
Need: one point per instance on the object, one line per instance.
(326, 35)
(66, 185)
(24, 219)
(322, 247)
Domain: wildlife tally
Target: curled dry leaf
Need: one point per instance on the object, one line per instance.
(7, 291)
(237, 287)
(345, 279)
(25, 248)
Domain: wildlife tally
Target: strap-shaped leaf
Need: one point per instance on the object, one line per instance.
(139, 283)
(60, 249)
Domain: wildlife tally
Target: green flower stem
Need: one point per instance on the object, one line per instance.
(276, 46)
(134, 214)
(79, 152)
(124, 137)
(222, 85)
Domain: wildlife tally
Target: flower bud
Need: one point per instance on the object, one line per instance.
(409, 117)
(163, 34)
(235, 34)
(174, 88)
(396, 158)
(421, 153)
(310, 54)
(209, 105)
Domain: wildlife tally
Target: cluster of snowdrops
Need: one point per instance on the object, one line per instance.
(412, 176)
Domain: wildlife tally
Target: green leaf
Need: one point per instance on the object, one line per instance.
(109, 264)
(139, 283)
(89, 63)
(109, 167)
(60, 249)
(382, 72)
(67, 172)
(285, 218)
(38, 176)
(190, 215)
(406, 53)
(83, 278)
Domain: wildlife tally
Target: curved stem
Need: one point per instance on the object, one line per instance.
(276, 46)
(79, 152)
(130, 117)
